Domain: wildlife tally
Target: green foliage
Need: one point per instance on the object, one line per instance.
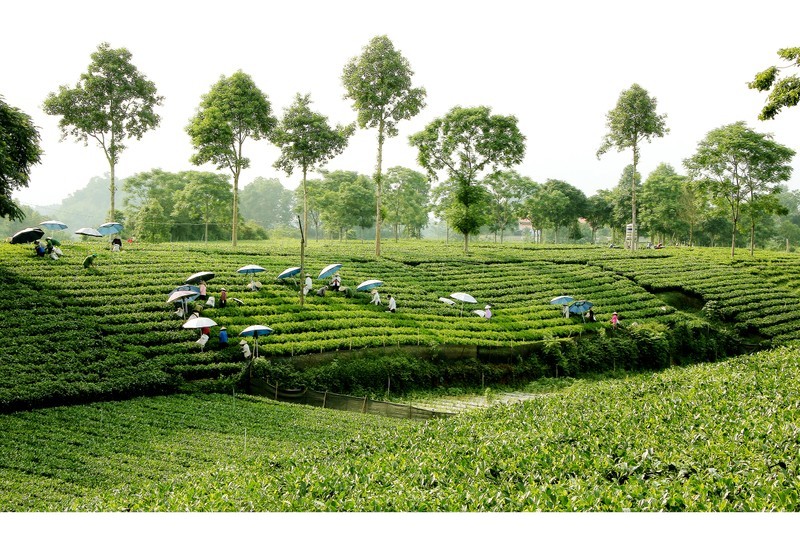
(785, 92)
(464, 143)
(379, 83)
(233, 111)
(112, 102)
(736, 165)
(713, 437)
(119, 308)
(19, 150)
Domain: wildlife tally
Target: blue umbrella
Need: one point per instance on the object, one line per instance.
(329, 270)
(369, 284)
(110, 228)
(563, 299)
(251, 270)
(53, 225)
(580, 306)
(291, 271)
(255, 331)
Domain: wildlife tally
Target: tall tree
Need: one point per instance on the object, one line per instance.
(632, 121)
(407, 200)
(730, 158)
(19, 150)
(379, 83)
(464, 143)
(785, 92)
(306, 140)
(111, 102)
(233, 111)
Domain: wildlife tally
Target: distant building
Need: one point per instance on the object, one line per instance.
(524, 225)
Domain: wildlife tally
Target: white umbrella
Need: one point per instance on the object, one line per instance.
(329, 270)
(91, 232)
(199, 322)
(369, 284)
(464, 297)
(182, 295)
(482, 313)
(446, 301)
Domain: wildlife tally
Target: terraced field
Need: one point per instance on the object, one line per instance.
(73, 334)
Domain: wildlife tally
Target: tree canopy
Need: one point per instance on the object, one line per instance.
(19, 150)
(111, 102)
(306, 140)
(463, 144)
(733, 160)
(233, 111)
(785, 91)
(379, 83)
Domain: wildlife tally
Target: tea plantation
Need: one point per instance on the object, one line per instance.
(111, 405)
(74, 334)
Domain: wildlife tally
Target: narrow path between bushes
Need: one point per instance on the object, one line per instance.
(463, 403)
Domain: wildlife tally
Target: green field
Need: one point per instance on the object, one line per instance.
(158, 424)
(709, 437)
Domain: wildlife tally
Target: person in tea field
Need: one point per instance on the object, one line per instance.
(223, 337)
(223, 298)
(308, 285)
(203, 290)
(487, 313)
(392, 304)
(89, 260)
(376, 298)
(38, 248)
(245, 349)
(614, 320)
(590, 316)
(336, 282)
(321, 291)
(116, 244)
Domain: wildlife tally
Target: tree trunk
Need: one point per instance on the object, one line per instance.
(752, 235)
(378, 180)
(205, 230)
(466, 243)
(634, 233)
(303, 231)
(113, 187)
(235, 206)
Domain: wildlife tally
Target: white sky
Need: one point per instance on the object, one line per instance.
(558, 66)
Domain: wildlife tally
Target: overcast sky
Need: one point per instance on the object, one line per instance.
(559, 67)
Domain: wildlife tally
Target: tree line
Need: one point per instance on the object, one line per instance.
(469, 153)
